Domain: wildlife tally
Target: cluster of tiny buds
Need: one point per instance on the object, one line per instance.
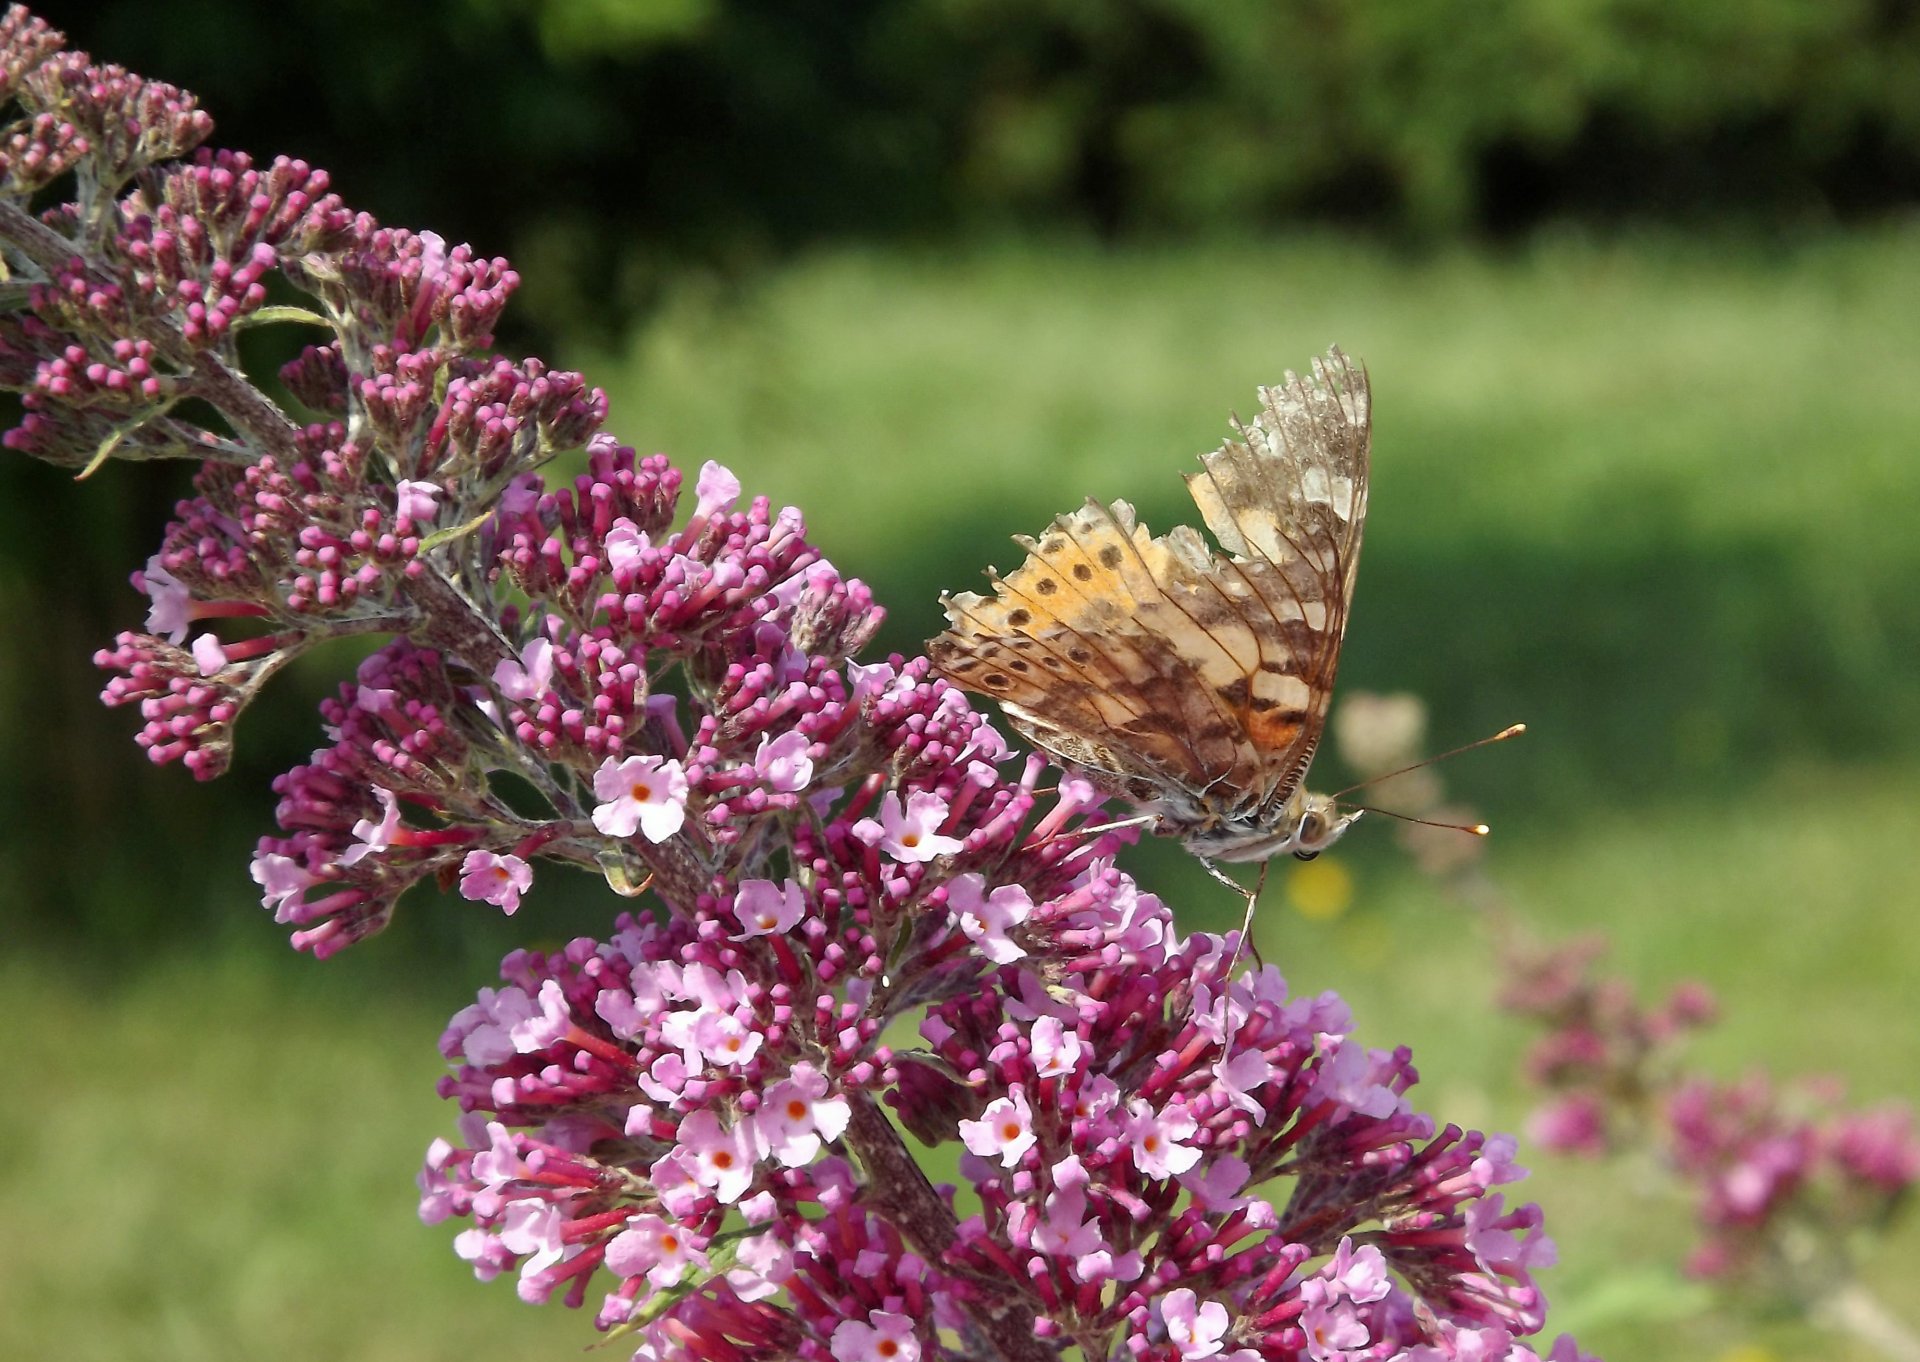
(867, 917)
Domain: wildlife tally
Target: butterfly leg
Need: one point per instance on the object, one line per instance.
(1252, 896)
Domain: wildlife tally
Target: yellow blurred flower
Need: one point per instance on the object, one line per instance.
(1319, 890)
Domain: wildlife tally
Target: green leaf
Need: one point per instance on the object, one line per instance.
(284, 312)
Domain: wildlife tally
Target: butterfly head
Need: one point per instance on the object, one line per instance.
(1305, 826)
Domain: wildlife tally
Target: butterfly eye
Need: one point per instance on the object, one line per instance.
(1311, 828)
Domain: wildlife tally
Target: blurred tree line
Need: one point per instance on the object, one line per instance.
(611, 142)
(608, 146)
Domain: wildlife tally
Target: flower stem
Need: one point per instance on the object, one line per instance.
(899, 1190)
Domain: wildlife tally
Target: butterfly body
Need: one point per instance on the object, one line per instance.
(1193, 681)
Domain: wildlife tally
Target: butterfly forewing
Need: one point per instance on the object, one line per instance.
(1189, 680)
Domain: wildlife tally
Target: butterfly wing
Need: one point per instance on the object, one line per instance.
(1183, 678)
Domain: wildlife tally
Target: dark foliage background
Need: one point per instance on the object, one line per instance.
(605, 144)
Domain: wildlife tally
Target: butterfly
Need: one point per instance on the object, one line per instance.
(1192, 681)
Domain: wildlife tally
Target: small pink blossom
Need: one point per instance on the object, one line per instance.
(1196, 1330)
(1359, 1274)
(1347, 1077)
(909, 837)
(499, 880)
(529, 676)
(1334, 1328)
(722, 1157)
(764, 1266)
(798, 1114)
(716, 490)
(643, 794)
(656, 1247)
(375, 836)
(1216, 1184)
(1056, 1050)
(986, 918)
(1065, 1231)
(171, 608)
(885, 1337)
(765, 908)
(783, 763)
(281, 878)
(722, 1038)
(625, 544)
(1005, 1129)
(1158, 1139)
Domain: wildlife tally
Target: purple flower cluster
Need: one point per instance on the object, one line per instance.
(1765, 1163)
(868, 922)
(1771, 1173)
(1604, 1057)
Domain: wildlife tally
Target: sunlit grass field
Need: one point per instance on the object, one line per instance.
(1657, 499)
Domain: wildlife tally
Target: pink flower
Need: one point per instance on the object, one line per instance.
(624, 544)
(987, 918)
(375, 836)
(1064, 1230)
(797, 1115)
(763, 1266)
(1005, 1129)
(1196, 1330)
(529, 676)
(649, 1244)
(723, 1039)
(909, 837)
(1216, 1184)
(1359, 1274)
(499, 880)
(281, 878)
(1158, 1139)
(885, 1337)
(765, 908)
(783, 763)
(171, 610)
(1347, 1077)
(1056, 1050)
(644, 794)
(1334, 1328)
(721, 1157)
(716, 490)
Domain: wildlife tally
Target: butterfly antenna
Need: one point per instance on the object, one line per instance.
(1511, 731)
(1477, 829)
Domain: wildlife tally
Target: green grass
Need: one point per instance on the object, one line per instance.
(1656, 499)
